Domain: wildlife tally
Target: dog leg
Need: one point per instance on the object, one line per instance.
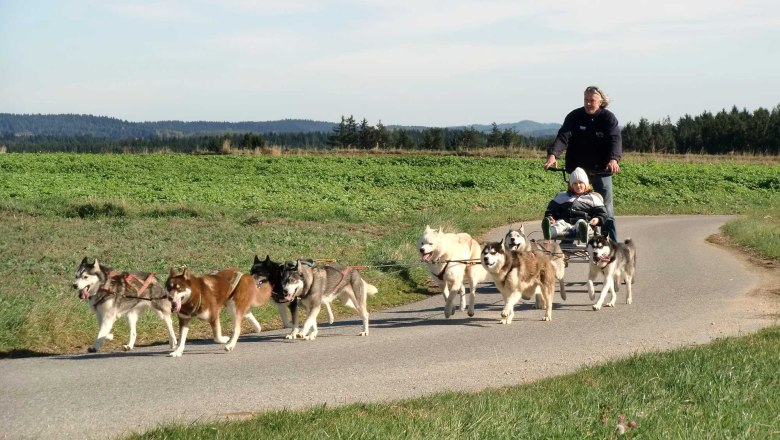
(462, 295)
(237, 320)
(629, 278)
(508, 313)
(447, 301)
(216, 328)
(104, 332)
(449, 305)
(166, 318)
(249, 316)
(330, 313)
(285, 313)
(132, 320)
(608, 281)
(184, 328)
(547, 302)
(294, 315)
(593, 273)
(612, 290)
(309, 331)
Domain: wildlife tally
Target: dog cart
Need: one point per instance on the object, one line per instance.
(573, 250)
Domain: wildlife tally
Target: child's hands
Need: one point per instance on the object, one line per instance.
(594, 222)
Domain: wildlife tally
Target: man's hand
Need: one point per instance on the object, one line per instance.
(613, 166)
(552, 161)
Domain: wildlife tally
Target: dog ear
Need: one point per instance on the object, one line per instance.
(84, 261)
(96, 265)
(440, 230)
(257, 260)
(267, 259)
(171, 273)
(186, 273)
(522, 229)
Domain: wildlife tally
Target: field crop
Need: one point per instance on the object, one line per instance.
(151, 212)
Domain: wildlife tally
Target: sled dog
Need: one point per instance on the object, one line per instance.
(520, 274)
(112, 294)
(516, 240)
(268, 271)
(311, 285)
(453, 261)
(205, 297)
(613, 260)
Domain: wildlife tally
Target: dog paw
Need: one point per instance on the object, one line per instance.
(229, 347)
(127, 347)
(629, 301)
(363, 334)
(110, 336)
(547, 318)
(91, 350)
(222, 339)
(175, 354)
(471, 313)
(596, 307)
(612, 304)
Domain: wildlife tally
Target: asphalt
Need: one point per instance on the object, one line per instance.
(687, 292)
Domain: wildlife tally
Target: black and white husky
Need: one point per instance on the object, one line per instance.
(113, 294)
(613, 260)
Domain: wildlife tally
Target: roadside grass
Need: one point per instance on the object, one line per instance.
(758, 230)
(152, 212)
(725, 389)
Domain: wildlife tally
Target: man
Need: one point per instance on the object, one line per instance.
(590, 136)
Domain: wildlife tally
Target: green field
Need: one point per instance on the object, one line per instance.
(151, 212)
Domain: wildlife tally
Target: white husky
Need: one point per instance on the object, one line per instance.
(453, 260)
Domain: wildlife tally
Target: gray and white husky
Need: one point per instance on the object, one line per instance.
(516, 240)
(113, 294)
(613, 260)
(314, 286)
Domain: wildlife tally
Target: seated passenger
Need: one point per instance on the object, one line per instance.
(572, 213)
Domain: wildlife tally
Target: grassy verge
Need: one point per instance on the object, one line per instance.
(151, 212)
(727, 389)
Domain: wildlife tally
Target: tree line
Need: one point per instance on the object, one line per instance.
(734, 131)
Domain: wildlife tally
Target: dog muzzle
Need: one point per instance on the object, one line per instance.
(175, 300)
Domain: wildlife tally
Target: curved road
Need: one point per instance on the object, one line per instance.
(687, 292)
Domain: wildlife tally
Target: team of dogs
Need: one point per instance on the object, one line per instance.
(520, 269)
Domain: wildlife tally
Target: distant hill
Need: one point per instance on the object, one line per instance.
(526, 128)
(113, 128)
(67, 125)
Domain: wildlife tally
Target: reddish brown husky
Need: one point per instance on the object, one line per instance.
(205, 297)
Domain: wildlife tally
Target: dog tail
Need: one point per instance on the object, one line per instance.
(369, 288)
(629, 242)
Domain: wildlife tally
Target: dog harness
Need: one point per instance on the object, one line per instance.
(129, 278)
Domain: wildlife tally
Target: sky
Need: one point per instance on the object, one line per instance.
(422, 62)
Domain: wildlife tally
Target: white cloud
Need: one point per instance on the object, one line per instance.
(427, 17)
(156, 11)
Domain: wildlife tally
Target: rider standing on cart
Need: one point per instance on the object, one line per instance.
(590, 136)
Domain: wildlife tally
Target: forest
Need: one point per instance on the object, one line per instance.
(725, 132)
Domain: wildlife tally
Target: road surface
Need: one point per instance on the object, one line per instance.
(687, 292)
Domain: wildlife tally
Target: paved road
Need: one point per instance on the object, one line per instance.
(687, 292)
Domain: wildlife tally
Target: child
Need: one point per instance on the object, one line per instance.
(571, 212)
